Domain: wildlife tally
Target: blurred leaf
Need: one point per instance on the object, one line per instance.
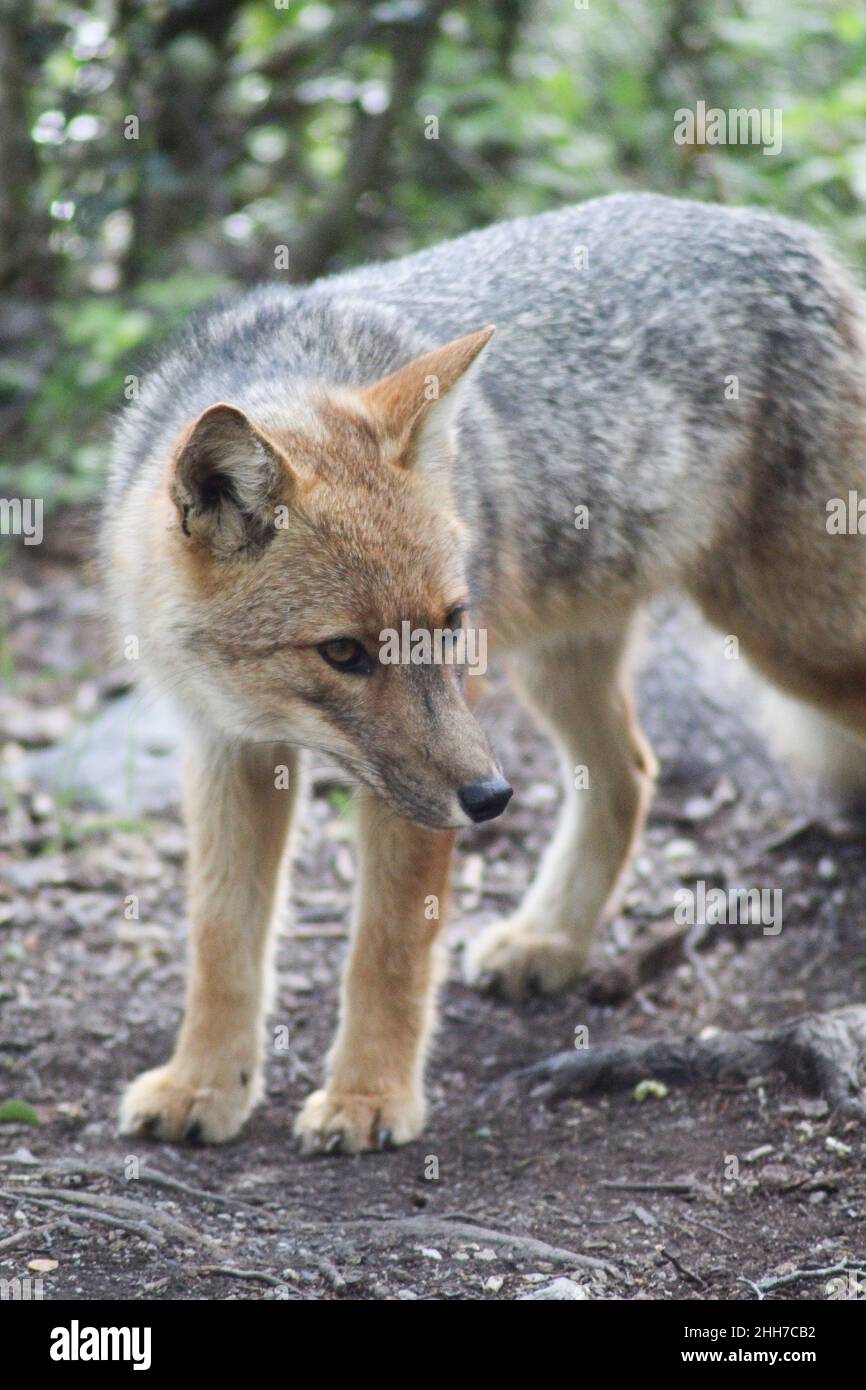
(17, 1112)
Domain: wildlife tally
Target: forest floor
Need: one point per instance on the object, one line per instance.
(728, 1192)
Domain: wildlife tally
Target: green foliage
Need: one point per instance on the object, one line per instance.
(259, 127)
(102, 342)
(340, 799)
(17, 1112)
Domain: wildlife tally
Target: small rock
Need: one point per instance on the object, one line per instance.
(539, 794)
(344, 864)
(680, 849)
(561, 1290)
(24, 1157)
(777, 1175)
(763, 1151)
(35, 727)
(837, 1147)
(472, 875)
(41, 806)
(296, 982)
(37, 873)
(811, 1109)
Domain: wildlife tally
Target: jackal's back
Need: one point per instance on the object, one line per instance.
(657, 361)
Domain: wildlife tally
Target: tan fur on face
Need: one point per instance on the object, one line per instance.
(367, 544)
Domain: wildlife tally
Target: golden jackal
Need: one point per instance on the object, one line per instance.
(311, 469)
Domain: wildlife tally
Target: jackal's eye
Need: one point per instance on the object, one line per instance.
(454, 619)
(345, 654)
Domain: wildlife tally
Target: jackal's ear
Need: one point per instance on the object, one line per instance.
(416, 407)
(226, 481)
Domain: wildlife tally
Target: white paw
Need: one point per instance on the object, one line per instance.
(345, 1122)
(512, 960)
(163, 1104)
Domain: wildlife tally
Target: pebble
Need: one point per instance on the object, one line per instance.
(680, 849)
(837, 1147)
(561, 1290)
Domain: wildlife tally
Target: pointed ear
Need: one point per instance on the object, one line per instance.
(226, 481)
(416, 407)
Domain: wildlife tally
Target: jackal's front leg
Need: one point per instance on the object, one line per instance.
(238, 802)
(374, 1095)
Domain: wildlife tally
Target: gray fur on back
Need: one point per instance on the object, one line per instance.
(605, 383)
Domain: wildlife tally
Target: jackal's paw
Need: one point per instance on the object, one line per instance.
(160, 1104)
(342, 1122)
(510, 960)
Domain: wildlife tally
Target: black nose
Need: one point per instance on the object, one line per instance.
(484, 800)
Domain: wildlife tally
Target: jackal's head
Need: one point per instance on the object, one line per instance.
(304, 549)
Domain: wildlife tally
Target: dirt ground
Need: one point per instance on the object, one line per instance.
(727, 1193)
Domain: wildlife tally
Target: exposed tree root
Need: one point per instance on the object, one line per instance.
(823, 1054)
(509, 1243)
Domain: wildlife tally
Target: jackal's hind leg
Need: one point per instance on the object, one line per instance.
(580, 691)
